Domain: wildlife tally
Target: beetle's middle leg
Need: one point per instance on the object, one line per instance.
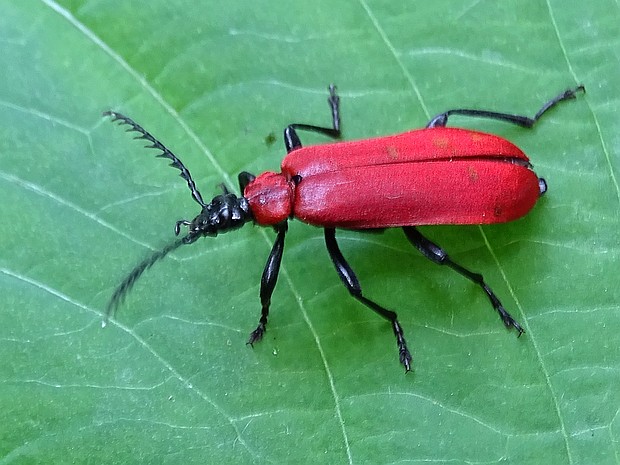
(353, 286)
(437, 255)
(291, 139)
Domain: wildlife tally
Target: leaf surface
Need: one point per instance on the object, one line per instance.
(170, 380)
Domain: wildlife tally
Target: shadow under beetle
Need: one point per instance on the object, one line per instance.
(435, 175)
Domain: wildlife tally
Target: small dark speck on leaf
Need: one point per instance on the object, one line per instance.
(270, 139)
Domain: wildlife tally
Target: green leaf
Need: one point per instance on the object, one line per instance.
(171, 379)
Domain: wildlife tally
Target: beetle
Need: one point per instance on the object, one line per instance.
(430, 176)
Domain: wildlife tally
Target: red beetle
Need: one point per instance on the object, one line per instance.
(435, 175)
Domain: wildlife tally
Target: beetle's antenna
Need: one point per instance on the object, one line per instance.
(155, 144)
(124, 287)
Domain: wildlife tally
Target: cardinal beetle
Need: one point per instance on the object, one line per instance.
(435, 175)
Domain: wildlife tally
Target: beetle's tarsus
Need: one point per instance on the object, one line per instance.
(405, 358)
(257, 334)
(509, 321)
(403, 352)
(333, 100)
(572, 93)
(517, 326)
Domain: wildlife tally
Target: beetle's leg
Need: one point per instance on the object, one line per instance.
(291, 139)
(353, 286)
(245, 178)
(524, 121)
(268, 282)
(436, 254)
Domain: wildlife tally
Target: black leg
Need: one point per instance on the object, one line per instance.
(291, 139)
(524, 121)
(245, 178)
(268, 283)
(436, 254)
(353, 286)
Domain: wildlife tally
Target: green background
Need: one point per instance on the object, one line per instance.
(171, 381)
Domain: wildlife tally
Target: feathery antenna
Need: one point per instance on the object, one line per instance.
(124, 287)
(165, 153)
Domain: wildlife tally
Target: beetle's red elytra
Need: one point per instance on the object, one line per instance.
(430, 176)
(422, 177)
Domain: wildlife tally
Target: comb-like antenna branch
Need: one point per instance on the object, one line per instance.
(165, 153)
(124, 287)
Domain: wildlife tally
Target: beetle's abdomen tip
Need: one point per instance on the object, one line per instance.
(542, 186)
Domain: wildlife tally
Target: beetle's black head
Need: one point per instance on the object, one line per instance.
(225, 213)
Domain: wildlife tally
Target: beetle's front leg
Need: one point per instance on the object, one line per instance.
(245, 178)
(268, 282)
(437, 255)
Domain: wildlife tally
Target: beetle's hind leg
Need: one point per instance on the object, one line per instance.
(291, 139)
(524, 121)
(353, 286)
(437, 255)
